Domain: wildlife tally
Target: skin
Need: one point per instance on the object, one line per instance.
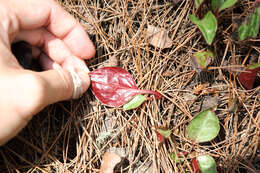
(58, 41)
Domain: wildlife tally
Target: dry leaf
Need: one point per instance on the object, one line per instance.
(243, 95)
(188, 96)
(209, 102)
(210, 91)
(94, 105)
(158, 37)
(200, 88)
(176, 1)
(111, 62)
(232, 105)
(168, 73)
(110, 160)
(146, 167)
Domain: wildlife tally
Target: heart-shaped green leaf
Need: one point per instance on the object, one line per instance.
(204, 126)
(201, 60)
(135, 102)
(206, 164)
(250, 28)
(208, 26)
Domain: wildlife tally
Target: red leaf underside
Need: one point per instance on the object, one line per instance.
(195, 165)
(247, 78)
(159, 136)
(114, 86)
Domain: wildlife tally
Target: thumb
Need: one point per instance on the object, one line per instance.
(61, 84)
(24, 93)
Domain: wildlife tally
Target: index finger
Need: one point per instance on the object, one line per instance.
(47, 13)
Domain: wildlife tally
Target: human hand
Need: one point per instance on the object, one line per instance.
(64, 45)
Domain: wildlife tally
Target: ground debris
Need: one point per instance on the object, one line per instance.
(209, 102)
(146, 167)
(158, 37)
(112, 61)
(200, 88)
(73, 136)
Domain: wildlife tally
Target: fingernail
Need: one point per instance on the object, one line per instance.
(85, 79)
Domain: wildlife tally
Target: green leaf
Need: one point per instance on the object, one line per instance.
(135, 102)
(254, 23)
(208, 26)
(254, 66)
(204, 126)
(198, 3)
(227, 4)
(164, 132)
(252, 28)
(175, 158)
(215, 4)
(206, 164)
(201, 60)
(221, 4)
(243, 32)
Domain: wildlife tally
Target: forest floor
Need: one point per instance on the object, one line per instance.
(73, 136)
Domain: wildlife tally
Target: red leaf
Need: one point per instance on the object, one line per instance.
(159, 136)
(162, 133)
(182, 154)
(248, 77)
(114, 86)
(195, 165)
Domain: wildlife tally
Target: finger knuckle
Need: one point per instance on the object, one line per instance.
(34, 90)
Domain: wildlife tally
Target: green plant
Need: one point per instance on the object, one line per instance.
(201, 60)
(204, 127)
(162, 133)
(204, 164)
(208, 26)
(135, 102)
(251, 27)
(198, 3)
(219, 5)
